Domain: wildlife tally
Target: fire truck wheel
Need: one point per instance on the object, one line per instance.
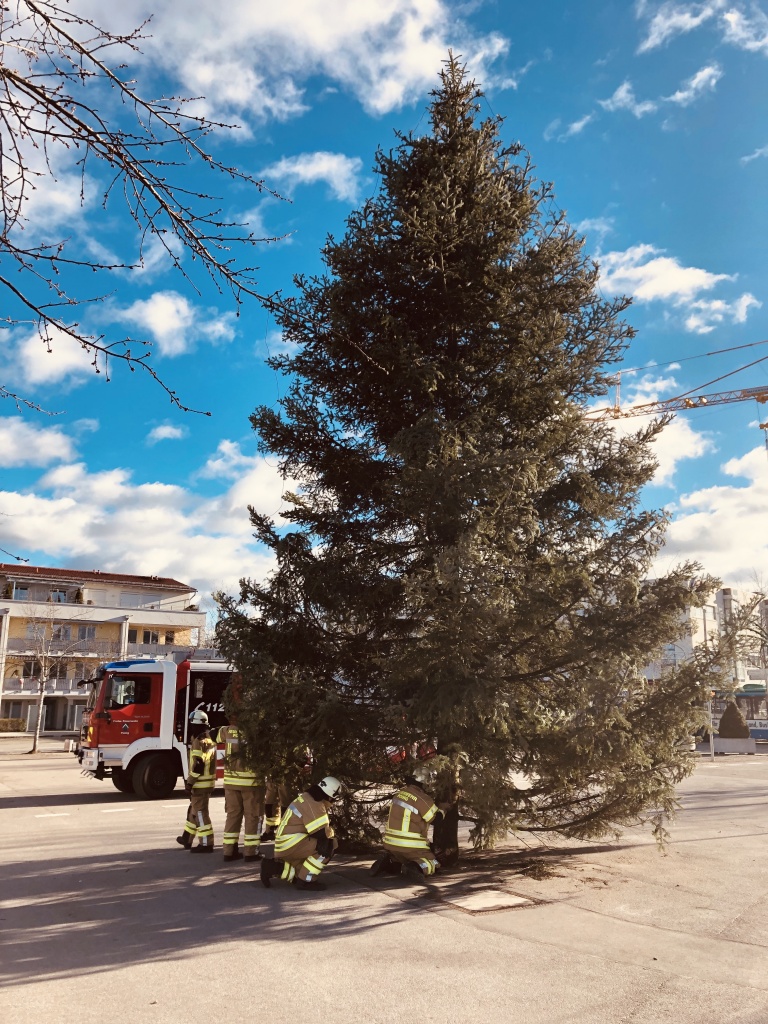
(122, 780)
(154, 777)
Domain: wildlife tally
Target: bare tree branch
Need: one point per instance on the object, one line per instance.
(55, 89)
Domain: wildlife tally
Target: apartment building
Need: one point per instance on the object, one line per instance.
(703, 626)
(58, 625)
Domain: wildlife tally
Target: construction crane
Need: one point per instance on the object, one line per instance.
(689, 400)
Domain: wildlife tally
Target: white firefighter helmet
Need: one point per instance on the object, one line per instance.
(329, 786)
(198, 717)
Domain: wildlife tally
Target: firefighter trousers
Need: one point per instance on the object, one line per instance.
(246, 802)
(421, 855)
(276, 797)
(198, 821)
(307, 858)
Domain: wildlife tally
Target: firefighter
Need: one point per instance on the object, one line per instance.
(243, 797)
(199, 785)
(305, 839)
(406, 843)
(275, 798)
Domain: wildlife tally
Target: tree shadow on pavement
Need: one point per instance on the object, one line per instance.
(90, 915)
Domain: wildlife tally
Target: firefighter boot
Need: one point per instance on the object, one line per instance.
(235, 855)
(413, 871)
(306, 886)
(270, 869)
(185, 840)
(202, 849)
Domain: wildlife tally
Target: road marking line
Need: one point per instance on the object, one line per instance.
(117, 810)
(60, 814)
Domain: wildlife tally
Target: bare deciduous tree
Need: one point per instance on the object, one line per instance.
(51, 643)
(65, 103)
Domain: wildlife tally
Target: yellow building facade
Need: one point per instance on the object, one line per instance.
(58, 625)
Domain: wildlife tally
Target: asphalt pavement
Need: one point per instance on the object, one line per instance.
(103, 918)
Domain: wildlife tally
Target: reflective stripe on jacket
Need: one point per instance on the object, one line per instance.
(202, 763)
(304, 816)
(235, 771)
(410, 814)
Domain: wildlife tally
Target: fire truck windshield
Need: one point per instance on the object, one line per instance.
(124, 690)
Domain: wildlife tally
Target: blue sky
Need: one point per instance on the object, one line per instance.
(648, 117)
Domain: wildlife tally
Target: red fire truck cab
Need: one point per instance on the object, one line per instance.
(135, 726)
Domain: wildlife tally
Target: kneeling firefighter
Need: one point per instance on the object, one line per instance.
(199, 785)
(406, 842)
(305, 839)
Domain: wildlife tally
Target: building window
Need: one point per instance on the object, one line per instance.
(31, 669)
(35, 631)
(131, 600)
(151, 636)
(58, 670)
(62, 632)
(86, 632)
(132, 636)
(20, 593)
(59, 596)
(170, 637)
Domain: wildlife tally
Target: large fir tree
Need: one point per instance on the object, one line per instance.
(467, 557)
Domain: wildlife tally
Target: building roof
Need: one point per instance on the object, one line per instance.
(94, 576)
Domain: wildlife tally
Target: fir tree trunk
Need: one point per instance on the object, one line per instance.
(445, 836)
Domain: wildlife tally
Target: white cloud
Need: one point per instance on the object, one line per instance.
(228, 461)
(599, 226)
(747, 33)
(24, 444)
(707, 314)
(175, 324)
(339, 172)
(577, 127)
(624, 99)
(645, 273)
(672, 19)
(552, 131)
(723, 526)
(762, 151)
(704, 80)
(385, 53)
(34, 362)
(166, 432)
(108, 521)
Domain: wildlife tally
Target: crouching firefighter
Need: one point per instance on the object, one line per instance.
(305, 839)
(199, 785)
(406, 842)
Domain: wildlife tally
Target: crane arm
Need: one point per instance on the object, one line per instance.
(689, 401)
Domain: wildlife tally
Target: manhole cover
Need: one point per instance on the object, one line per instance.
(487, 901)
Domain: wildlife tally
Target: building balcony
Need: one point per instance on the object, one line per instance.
(30, 687)
(156, 650)
(64, 648)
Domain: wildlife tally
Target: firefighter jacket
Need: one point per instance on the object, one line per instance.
(235, 771)
(202, 763)
(304, 817)
(410, 815)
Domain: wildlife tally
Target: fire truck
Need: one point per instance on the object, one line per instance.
(135, 725)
